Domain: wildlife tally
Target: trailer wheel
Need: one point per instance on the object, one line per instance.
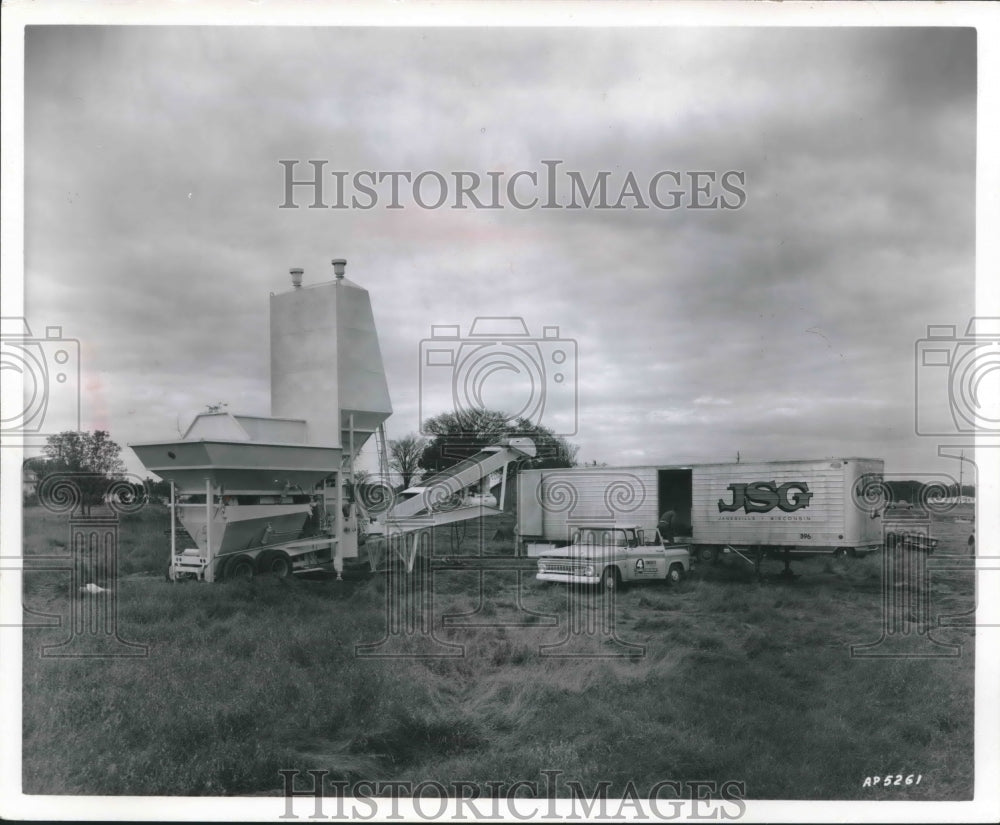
(706, 554)
(169, 577)
(611, 580)
(241, 568)
(277, 563)
(675, 575)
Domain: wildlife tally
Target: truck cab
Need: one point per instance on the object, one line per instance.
(613, 555)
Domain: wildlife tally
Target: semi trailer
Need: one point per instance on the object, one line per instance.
(751, 509)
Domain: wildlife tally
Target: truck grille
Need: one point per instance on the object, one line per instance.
(562, 567)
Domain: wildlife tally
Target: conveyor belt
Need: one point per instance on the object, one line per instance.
(433, 494)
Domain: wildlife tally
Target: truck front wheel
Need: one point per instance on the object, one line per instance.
(611, 580)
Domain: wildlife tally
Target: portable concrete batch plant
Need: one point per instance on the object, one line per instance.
(244, 487)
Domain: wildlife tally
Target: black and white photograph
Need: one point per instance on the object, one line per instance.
(512, 413)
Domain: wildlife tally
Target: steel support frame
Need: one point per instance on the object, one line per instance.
(173, 531)
(209, 572)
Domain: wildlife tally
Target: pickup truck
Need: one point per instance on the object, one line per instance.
(612, 556)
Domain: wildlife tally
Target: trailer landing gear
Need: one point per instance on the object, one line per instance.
(787, 573)
(754, 556)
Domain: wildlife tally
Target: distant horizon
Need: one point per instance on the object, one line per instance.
(394, 475)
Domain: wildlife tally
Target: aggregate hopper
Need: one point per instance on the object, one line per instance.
(272, 493)
(237, 495)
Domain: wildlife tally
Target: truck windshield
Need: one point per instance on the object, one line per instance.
(606, 538)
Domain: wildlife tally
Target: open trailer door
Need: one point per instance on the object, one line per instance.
(673, 491)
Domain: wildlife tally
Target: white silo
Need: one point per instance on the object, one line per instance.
(326, 363)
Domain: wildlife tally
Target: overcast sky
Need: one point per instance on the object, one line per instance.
(785, 328)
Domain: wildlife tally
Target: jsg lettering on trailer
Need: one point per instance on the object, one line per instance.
(764, 496)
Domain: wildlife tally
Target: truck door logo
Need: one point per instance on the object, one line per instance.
(764, 496)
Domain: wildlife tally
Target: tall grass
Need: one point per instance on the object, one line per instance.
(740, 680)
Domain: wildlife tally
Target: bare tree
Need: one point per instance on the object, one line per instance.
(404, 456)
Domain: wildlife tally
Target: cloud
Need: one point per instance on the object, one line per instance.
(153, 231)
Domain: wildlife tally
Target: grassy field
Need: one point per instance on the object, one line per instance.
(738, 680)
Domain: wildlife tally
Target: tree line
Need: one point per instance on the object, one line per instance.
(95, 459)
(450, 437)
(915, 492)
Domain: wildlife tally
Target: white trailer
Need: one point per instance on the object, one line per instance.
(780, 508)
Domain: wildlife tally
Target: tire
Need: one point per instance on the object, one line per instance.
(839, 554)
(675, 574)
(611, 580)
(168, 574)
(241, 568)
(277, 564)
(706, 554)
